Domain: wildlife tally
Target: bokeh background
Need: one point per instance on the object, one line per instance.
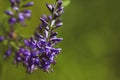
(91, 45)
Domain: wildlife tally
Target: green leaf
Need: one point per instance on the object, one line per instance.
(66, 3)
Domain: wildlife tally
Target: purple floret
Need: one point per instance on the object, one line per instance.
(1, 38)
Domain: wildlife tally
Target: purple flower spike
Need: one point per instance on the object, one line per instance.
(17, 11)
(17, 14)
(39, 51)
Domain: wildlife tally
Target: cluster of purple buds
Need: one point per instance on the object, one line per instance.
(17, 13)
(39, 51)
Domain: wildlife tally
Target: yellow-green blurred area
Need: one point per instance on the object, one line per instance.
(91, 45)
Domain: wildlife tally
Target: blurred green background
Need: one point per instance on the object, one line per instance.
(91, 45)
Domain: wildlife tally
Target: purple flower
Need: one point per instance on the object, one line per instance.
(39, 51)
(9, 13)
(28, 4)
(8, 52)
(16, 12)
(50, 7)
(21, 17)
(1, 38)
(12, 20)
(27, 13)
